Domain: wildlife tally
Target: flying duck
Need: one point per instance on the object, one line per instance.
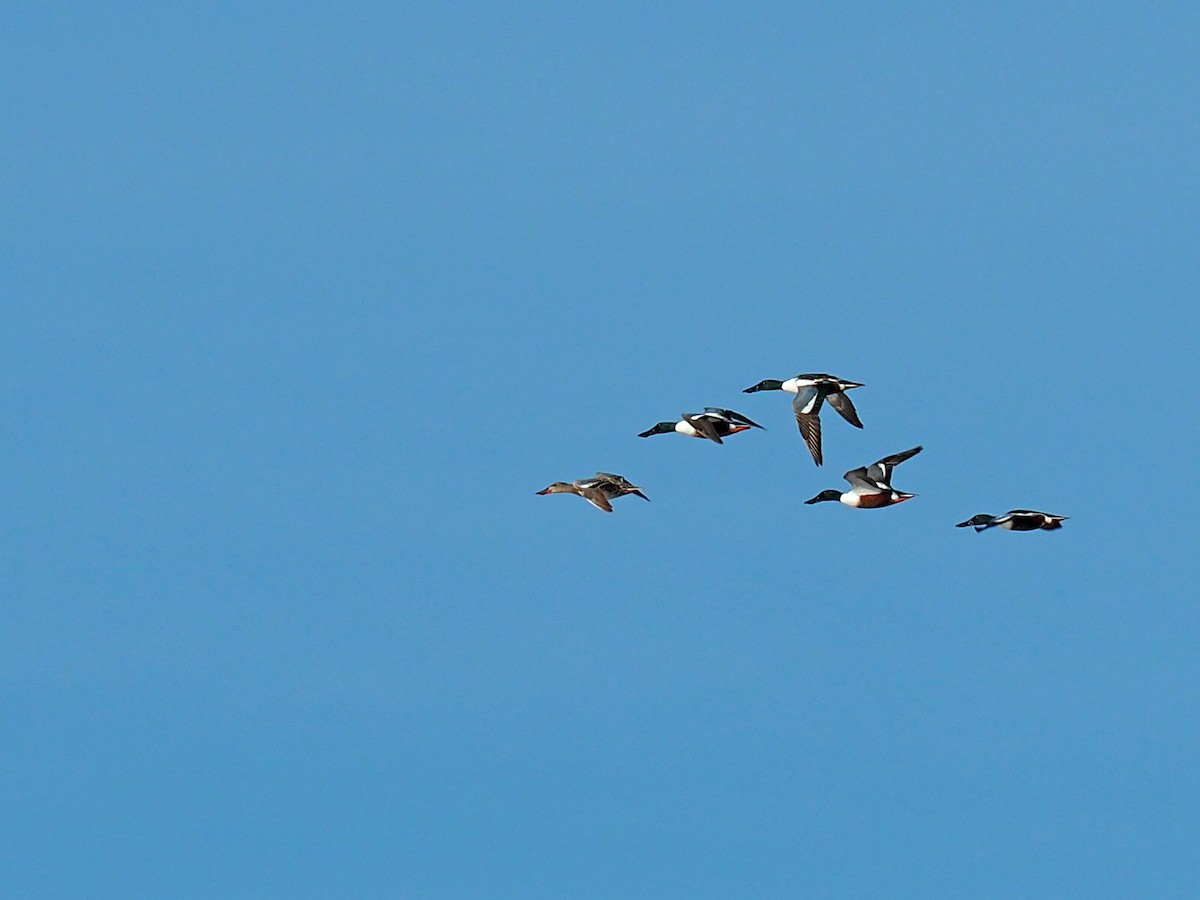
(871, 486)
(811, 391)
(599, 491)
(713, 423)
(1015, 520)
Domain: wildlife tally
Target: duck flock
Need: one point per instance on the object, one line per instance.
(870, 486)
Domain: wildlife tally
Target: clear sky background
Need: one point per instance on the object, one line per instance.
(302, 306)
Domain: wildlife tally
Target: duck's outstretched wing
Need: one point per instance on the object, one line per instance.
(861, 480)
(881, 471)
(840, 401)
(596, 497)
(810, 430)
(808, 399)
(807, 406)
(704, 426)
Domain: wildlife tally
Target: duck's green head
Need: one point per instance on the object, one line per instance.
(660, 428)
(768, 384)
(823, 496)
(981, 519)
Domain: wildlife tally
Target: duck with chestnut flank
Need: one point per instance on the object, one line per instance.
(1015, 520)
(871, 486)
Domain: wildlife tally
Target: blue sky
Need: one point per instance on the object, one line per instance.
(304, 305)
